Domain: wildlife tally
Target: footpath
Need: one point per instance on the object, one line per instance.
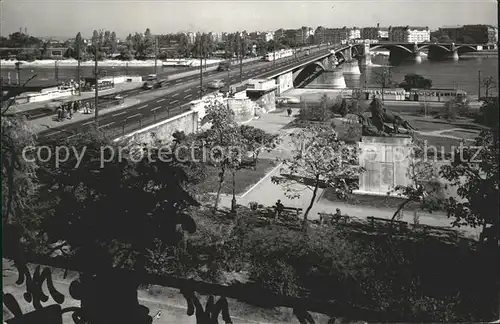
(265, 192)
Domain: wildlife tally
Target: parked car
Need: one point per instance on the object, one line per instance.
(215, 84)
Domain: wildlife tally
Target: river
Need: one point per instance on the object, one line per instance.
(461, 74)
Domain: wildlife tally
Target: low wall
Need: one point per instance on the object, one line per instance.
(186, 122)
(244, 109)
(265, 103)
(46, 95)
(285, 82)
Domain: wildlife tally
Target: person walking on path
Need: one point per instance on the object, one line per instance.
(279, 208)
(289, 111)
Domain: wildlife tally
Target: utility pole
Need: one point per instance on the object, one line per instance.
(56, 71)
(241, 60)
(478, 84)
(78, 69)
(96, 99)
(156, 53)
(18, 71)
(201, 69)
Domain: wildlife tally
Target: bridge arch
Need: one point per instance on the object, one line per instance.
(466, 48)
(390, 46)
(434, 45)
(301, 74)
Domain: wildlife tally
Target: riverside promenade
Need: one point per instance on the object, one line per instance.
(265, 192)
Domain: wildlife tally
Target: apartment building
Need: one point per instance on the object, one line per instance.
(409, 34)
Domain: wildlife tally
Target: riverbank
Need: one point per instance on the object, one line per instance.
(105, 63)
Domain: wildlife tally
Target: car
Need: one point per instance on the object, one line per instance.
(215, 84)
(287, 100)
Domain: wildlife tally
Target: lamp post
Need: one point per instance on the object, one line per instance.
(96, 74)
(201, 68)
(478, 85)
(78, 69)
(18, 73)
(56, 70)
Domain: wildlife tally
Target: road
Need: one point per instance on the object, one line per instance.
(164, 106)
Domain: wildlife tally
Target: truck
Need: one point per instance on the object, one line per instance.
(153, 82)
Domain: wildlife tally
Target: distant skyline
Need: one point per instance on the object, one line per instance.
(64, 18)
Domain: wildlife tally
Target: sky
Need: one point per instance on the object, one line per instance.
(65, 18)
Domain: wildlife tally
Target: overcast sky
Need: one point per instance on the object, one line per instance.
(67, 17)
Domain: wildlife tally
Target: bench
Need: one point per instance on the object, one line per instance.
(372, 220)
(326, 218)
(292, 210)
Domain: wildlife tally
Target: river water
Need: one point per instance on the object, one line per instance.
(461, 74)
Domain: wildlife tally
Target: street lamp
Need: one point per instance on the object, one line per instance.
(18, 71)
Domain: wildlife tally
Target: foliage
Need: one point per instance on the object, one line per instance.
(454, 108)
(474, 171)
(116, 210)
(383, 77)
(319, 156)
(256, 140)
(415, 81)
(489, 84)
(488, 113)
(319, 114)
(425, 187)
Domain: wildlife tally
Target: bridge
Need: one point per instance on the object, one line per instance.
(175, 99)
(400, 51)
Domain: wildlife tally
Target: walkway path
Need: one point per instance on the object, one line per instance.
(267, 193)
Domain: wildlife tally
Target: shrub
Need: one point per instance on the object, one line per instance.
(253, 205)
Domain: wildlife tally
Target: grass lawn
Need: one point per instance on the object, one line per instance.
(372, 201)
(245, 178)
(463, 134)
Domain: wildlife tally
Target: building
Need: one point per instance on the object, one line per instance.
(370, 33)
(409, 34)
(383, 33)
(354, 33)
(268, 36)
(304, 35)
(480, 34)
(455, 33)
(191, 37)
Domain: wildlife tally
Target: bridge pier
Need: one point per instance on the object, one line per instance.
(351, 68)
(417, 56)
(338, 81)
(454, 55)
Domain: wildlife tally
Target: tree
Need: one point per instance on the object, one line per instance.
(148, 48)
(107, 216)
(223, 140)
(319, 158)
(474, 171)
(415, 81)
(79, 46)
(488, 113)
(425, 188)
(256, 140)
(445, 39)
(489, 84)
(383, 77)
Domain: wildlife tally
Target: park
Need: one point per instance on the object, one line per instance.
(304, 225)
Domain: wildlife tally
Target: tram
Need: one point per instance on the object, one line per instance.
(279, 55)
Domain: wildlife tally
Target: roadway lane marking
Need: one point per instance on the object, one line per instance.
(175, 94)
(142, 107)
(87, 123)
(34, 116)
(189, 95)
(161, 100)
(71, 136)
(159, 107)
(173, 102)
(105, 125)
(123, 112)
(54, 133)
(187, 90)
(133, 116)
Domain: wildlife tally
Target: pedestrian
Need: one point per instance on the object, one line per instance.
(60, 113)
(289, 111)
(279, 208)
(338, 214)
